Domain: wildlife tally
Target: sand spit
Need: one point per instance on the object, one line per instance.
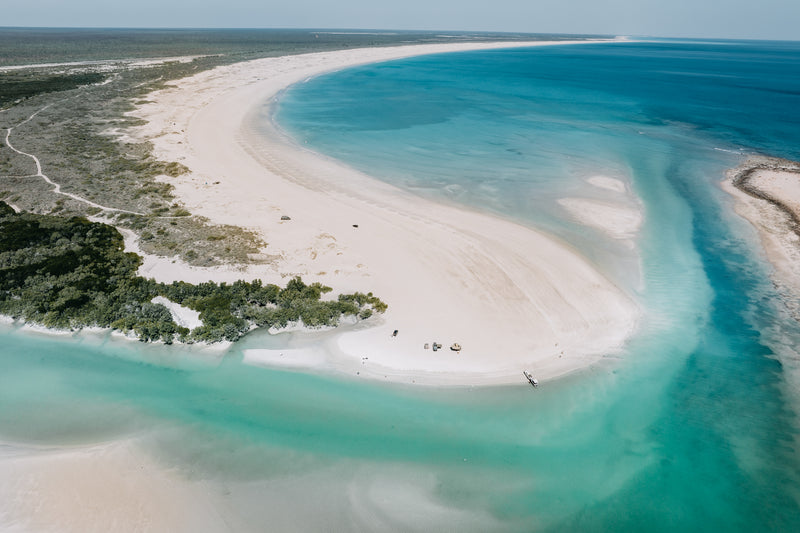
(767, 191)
(513, 297)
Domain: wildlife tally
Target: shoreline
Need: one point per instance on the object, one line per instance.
(766, 191)
(448, 274)
(746, 179)
(100, 335)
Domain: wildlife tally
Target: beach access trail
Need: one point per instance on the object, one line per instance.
(40, 174)
(512, 297)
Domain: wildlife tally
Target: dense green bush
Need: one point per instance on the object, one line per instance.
(19, 85)
(70, 273)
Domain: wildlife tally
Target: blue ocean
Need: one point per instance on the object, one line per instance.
(695, 428)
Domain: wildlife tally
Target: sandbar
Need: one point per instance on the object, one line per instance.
(513, 297)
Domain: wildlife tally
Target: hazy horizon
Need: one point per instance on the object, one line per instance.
(729, 19)
(389, 31)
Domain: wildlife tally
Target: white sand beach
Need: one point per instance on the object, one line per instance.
(513, 297)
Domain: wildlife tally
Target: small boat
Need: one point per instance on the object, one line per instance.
(533, 381)
(456, 347)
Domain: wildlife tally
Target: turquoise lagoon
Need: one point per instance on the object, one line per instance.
(694, 427)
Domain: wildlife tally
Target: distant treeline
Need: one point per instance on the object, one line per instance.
(19, 85)
(71, 273)
(20, 46)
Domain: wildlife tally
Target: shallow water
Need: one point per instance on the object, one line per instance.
(694, 426)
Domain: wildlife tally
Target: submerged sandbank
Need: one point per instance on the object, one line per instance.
(123, 486)
(512, 297)
(618, 214)
(105, 487)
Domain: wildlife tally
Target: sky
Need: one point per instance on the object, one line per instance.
(742, 19)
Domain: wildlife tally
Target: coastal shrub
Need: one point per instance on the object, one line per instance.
(174, 170)
(71, 273)
(22, 85)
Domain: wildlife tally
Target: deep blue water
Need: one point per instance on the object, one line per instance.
(693, 429)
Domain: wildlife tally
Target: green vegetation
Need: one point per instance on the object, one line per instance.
(70, 273)
(70, 123)
(20, 46)
(17, 86)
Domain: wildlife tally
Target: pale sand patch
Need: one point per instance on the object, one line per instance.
(605, 182)
(183, 316)
(513, 297)
(618, 220)
(617, 212)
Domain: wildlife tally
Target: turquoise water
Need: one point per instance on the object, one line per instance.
(694, 428)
